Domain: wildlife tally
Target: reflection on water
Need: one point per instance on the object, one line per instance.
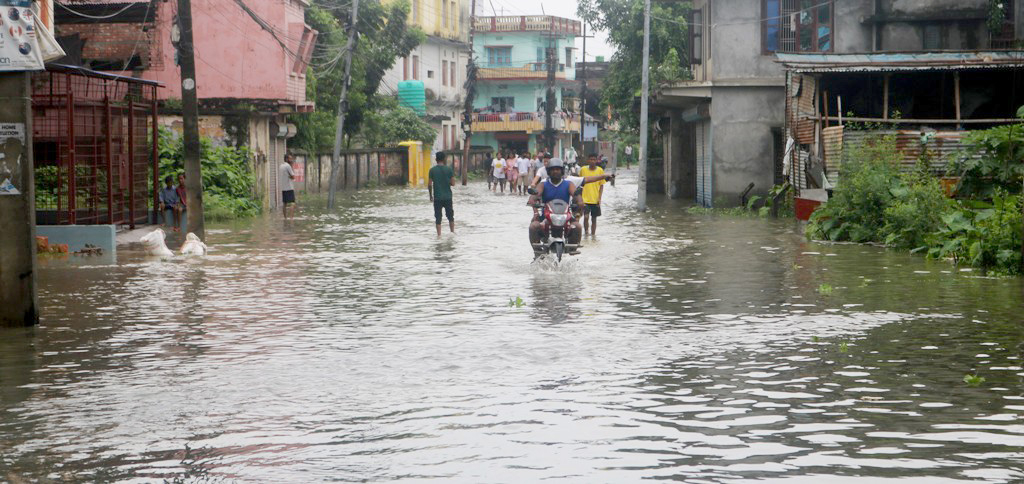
(357, 346)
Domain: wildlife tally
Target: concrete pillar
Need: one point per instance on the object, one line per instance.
(679, 167)
(18, 301)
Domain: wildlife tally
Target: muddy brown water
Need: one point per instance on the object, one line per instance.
(355, 346)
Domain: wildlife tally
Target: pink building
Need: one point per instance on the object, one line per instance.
(251, 59)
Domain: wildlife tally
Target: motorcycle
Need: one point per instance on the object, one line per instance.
(557, 217)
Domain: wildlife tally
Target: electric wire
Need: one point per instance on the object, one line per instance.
(96, 17)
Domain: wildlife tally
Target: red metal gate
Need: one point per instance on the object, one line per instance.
(95, 147)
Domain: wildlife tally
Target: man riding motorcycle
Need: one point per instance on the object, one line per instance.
(555, 187)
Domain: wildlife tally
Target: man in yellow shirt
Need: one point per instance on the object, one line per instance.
(592, 193)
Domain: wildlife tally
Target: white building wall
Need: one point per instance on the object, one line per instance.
(445, 95)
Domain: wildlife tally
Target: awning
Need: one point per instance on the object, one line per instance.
(900, 62)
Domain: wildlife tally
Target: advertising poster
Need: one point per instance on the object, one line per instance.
(19, 42)
(12, 147)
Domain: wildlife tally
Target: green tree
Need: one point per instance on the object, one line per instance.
(383, 37)
(395, 124)
(624, 22)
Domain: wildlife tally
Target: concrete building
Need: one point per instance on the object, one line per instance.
(511, 54)
(440, 62)
(250, 65)
(726, 128)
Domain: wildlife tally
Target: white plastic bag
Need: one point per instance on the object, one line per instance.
(193, 246)
(154, 243)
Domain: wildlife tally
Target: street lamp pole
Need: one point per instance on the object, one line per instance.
(641, 196)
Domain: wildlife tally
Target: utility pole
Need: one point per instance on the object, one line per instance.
(190, 121)
(18, 300)
(467, 107)
(641, 196)
(583, 92)
(342, 105)
(549, 101)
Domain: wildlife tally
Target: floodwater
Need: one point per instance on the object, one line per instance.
(356, 346)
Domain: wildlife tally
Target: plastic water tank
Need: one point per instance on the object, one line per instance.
(412, 95)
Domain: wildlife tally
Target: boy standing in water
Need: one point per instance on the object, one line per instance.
(592, 193)
(440, 180)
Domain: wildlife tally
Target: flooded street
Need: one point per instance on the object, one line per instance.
(356, 346)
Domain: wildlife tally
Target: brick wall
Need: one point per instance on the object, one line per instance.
(114, 43)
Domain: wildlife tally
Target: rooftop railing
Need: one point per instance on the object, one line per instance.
(528, 23)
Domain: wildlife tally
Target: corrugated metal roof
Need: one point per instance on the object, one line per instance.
(895, 62)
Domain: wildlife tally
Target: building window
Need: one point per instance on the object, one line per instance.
(444, 73)
(430, 74)
(451, 77)
(499, 56)
(568, 57)
(792, 26)
(415, 10)
(503, 104)
(453, 10)
(932, 38)
(697, 36)
(455, 144)
(416, 67)
(444, 136)
(405, 68)
(444, 14)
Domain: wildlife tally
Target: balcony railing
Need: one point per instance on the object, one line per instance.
(533, 70)
(524, 121)
(527, 23)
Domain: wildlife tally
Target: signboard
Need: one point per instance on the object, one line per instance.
(19, 42)
(299, 165)
(12, 147)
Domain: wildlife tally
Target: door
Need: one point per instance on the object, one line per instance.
(702, 155)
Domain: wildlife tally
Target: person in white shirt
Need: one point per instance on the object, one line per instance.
(285, 175)
(523, 164)
(535, 165)
(498, 169)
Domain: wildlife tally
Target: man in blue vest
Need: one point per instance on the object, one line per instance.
(555, 188)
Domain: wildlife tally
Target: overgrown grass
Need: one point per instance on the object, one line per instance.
(874, 202)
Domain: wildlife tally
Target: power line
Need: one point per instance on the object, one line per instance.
(97, 17)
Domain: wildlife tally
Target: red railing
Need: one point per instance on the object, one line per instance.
(94, 141)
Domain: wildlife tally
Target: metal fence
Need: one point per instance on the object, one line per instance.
(95, 147)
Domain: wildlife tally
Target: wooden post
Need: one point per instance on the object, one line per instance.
(824, 102)
(885, 97)
(956, 97)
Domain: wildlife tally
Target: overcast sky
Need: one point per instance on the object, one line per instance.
(595, 46)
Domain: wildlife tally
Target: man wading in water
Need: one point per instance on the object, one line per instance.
(440, 180)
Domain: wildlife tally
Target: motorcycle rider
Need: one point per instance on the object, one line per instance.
(555, 188)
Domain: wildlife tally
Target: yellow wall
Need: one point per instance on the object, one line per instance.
(430, 21)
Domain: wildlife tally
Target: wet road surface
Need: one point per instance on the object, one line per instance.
(357, 346)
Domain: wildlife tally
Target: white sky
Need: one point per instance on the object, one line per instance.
(595, 46)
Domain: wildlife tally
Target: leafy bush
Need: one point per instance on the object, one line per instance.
(856, 211)
(228, 181)
(989, 238)
(874, 202)
(991, 161)
(915, 211)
